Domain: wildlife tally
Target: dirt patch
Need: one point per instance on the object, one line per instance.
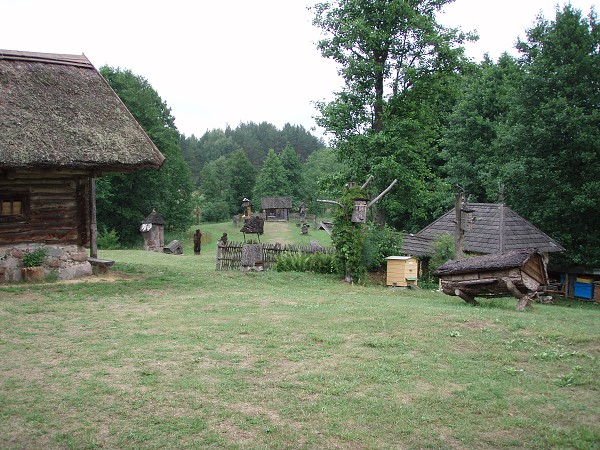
(109, 277)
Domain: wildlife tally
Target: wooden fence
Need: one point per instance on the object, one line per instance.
(229, 255)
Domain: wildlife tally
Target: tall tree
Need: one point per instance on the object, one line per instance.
(471, 143)
(272, 180)
(293, 171)
(125, 199)
(385, 49)
(241, 174)
(554, 136)
(533, 125)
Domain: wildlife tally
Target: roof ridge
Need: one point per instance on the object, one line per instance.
(48, 58)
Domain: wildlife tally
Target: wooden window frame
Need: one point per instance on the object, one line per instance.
(22, 197)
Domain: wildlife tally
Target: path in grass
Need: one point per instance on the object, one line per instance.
(277, 232)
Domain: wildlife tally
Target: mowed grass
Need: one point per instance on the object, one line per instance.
(169, 353)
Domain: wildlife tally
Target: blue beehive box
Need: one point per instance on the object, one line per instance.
(584, 288)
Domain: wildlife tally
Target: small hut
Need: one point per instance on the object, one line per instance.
(276, 208)
(61, 126)
(519, 273)
(153, 231)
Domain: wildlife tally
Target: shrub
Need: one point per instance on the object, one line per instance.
(108, 240)
(34, 258)
(443, 250)
(306, 262)
(215, 211)
(379, 244)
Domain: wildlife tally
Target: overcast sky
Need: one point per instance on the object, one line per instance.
(219, 63)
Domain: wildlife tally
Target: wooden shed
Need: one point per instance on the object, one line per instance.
(276, 208)
(519, 273)
(61, 126)
(402, 271)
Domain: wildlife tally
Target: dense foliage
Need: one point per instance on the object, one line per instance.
(399, 68)
(414, 109)
(254, 139)
(349, 238)
(123, 200)
(532, 126)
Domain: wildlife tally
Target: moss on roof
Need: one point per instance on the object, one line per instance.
(58, 111)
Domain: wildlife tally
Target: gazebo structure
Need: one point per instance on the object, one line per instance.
(61, 126)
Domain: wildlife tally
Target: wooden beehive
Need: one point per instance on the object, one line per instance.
(402, 271)
(520, 273)
(359, 214)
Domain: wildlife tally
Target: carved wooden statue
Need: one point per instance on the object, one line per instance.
(197, 242)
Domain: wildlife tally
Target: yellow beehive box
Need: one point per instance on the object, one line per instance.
(402, 271)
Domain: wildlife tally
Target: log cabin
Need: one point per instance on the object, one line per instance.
(276, 208)
(61, 127)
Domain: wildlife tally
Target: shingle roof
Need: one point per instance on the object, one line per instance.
(495, 261)
(154, 218)
(482, 232)
(276, 202)
(58, 111)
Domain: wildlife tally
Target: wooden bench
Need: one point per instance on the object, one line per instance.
(100, 266)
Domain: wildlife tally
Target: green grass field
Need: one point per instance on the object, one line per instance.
(166, 352)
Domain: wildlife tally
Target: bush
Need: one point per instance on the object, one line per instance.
(215, 211)
(108, 240)
(34, 258)
(379, 244)
(306, 262)
(443, 250)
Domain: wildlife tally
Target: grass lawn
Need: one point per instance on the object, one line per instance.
(169, 353)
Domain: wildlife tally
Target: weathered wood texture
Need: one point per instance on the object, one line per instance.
(517, 274)
(229, 254)
(57, 207)
(487, 228)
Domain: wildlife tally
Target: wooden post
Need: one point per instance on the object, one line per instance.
(502, 229)
(458, 230)
(93, 224)
(218, 254)
(466, 297)
(523, 299)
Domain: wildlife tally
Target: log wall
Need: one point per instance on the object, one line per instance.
(57, 207)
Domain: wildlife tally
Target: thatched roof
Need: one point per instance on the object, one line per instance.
(494, 261)
(254, 225)
(58, 111)
(482, 232)
(281, 202)
(154, 218)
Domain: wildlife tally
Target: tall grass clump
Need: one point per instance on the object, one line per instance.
(307, 262)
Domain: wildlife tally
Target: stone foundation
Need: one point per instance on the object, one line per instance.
(65, 261)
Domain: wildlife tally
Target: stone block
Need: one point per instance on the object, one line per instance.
(79, 257)
(76, 271)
